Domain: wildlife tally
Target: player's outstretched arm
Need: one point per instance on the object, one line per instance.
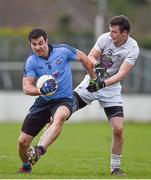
(95, 85)
(121, 74)
(93, 55)
(83, 58)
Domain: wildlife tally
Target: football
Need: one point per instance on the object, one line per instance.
(47, 83)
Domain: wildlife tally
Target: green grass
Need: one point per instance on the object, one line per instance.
(81, 152)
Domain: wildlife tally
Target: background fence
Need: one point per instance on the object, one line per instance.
(138, 81)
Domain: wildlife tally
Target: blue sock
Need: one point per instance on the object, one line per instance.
(26, 165)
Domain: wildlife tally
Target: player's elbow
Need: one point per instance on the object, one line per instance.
(81, 56)
(25, 90)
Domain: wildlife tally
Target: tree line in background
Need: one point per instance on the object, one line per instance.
(137, 10)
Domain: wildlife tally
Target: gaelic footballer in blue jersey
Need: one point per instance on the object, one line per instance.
(52, 60)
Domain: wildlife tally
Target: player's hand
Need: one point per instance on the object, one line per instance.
(95, 85)
(99, 71)
(48, 87)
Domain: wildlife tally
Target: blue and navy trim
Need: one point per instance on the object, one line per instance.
(74, 50)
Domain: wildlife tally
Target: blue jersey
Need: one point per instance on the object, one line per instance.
(57, 64)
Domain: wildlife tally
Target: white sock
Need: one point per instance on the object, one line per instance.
(115, 161)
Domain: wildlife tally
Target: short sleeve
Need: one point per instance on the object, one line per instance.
(29, 70)
(132, 55)
(71, 52)
(101, 42)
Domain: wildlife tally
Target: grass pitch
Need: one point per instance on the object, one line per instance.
(81, 152)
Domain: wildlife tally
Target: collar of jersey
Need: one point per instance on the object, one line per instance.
(125, 44)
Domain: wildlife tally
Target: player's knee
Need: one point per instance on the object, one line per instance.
(118, 132)
(61, 115)
(23, 142)
(58, 122)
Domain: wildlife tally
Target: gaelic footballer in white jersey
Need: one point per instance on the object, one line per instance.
(113, 57)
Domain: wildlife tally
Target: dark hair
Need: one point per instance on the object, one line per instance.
(121, 21)
(36, 33)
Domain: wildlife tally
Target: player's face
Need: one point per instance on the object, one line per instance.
(39, 46)
(118, 37)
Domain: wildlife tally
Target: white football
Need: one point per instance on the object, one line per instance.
(52, 82)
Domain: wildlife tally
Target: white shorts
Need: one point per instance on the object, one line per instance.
(107, 97)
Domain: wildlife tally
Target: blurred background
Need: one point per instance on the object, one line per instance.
(78, 23)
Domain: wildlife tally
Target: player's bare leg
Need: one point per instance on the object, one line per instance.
(33, 158)
(24, 142)
(50, 134)
(45, 129)
(117, 145)
(54, 130)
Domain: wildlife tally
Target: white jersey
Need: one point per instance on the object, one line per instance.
(111, 59)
